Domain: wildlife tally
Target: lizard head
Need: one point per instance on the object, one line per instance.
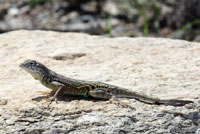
(35, 68)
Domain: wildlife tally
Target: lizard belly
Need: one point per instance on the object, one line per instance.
(52, 85)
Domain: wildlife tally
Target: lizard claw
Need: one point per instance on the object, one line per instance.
(52, 99)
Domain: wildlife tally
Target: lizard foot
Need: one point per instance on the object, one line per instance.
(55, 95)
(51, 99)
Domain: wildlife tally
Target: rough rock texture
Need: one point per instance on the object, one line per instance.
(158, 67)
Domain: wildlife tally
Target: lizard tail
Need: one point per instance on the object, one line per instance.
(152, 100)
(173, 102)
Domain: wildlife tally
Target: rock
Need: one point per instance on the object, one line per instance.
(13, 11)
(164, 68)
(3, 102)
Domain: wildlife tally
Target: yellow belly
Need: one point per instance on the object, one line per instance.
(51, 86)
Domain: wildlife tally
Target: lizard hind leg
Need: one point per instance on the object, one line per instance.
(102, 93)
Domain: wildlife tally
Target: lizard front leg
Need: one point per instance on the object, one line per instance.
(62, 90)
(59, 92)
(68, 89)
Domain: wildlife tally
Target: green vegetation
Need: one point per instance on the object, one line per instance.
(172, 19)
(34, 3)
(147, 12)
(190, 24)
(109, 25)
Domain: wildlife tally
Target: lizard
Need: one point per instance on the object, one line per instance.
(61, 85)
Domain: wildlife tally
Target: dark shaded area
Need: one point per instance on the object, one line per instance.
(113, 18)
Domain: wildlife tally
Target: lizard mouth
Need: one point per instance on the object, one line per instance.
(21, 65)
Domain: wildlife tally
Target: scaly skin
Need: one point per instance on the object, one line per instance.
(68, 86)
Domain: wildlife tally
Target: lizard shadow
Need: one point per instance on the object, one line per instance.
(67, 98)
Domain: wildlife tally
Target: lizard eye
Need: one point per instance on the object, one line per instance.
(31, 63)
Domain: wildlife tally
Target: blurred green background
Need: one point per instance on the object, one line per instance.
(179, 19)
